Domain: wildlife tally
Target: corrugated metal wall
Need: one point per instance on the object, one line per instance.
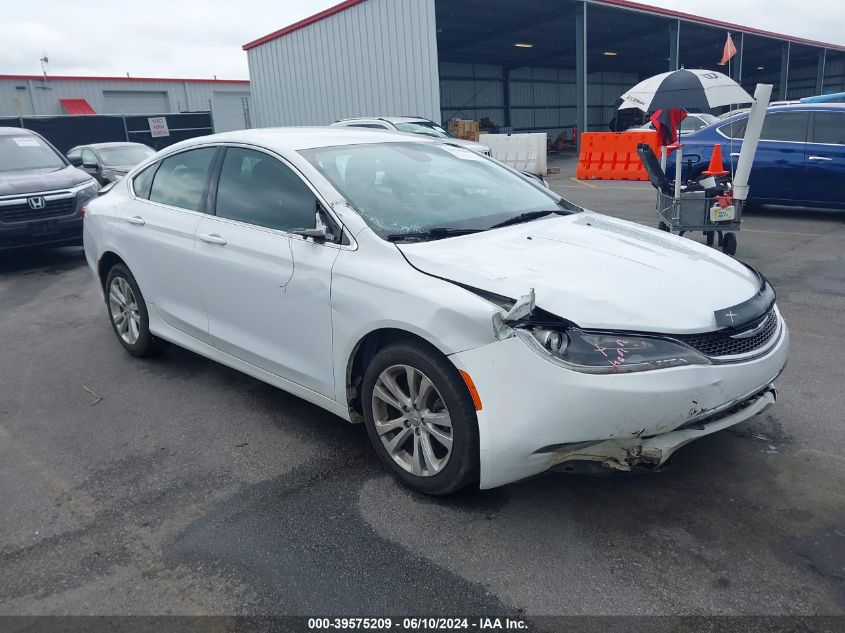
(377, 58)
(22, 97)
(471, 91)
(541, 99)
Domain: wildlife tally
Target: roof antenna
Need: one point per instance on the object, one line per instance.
(44, 62)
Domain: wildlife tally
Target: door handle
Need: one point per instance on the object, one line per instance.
(213, 239)
(734, 153)
(825, 158)
(137, 220)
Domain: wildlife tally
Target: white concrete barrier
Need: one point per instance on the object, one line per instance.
(520, 151)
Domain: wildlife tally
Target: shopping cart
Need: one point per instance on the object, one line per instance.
(707, 206)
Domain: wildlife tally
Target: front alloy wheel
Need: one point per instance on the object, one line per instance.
(421, 418)
(412, 420)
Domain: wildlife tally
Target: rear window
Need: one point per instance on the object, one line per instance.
(125, 155)
(23, 152)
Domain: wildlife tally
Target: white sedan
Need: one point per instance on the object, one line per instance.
(483, 329)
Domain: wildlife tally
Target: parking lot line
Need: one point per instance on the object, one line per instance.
(61, 489)
(584, 184)
(794, 234)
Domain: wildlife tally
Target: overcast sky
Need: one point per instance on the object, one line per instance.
(203, 38)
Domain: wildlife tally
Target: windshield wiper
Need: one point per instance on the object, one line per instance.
(436, 233)
(530, 215)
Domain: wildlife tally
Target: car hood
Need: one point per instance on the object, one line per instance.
(596, 271)
(119, 169)
(35, 181)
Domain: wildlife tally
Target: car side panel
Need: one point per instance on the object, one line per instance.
(160, 254)
(383, 291)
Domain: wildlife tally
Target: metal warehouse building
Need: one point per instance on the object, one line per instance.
(228, 100)
(540, 65)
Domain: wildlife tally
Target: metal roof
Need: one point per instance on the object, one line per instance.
(620, 4)
(728, 26)
(77, 106)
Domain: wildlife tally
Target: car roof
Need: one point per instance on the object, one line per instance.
(9, 131)
(389, 119)
(807, 106)
(299, 138)
(112, 144)
(787, 107)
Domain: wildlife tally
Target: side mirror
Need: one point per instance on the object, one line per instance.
(75, 161)
(89, 165)
(319, 234)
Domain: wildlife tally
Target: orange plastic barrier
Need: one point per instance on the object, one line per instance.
(613, 155)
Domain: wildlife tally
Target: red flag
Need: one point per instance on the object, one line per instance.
(667, 123)
(730, 51)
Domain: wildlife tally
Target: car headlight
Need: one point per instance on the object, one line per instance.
(86, 192)
(607, 352)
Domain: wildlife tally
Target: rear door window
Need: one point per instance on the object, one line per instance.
(829, 128)
(786, 126)
(181, 180)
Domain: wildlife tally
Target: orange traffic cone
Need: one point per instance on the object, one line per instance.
(716, 167)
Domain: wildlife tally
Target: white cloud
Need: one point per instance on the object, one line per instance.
(202, 38)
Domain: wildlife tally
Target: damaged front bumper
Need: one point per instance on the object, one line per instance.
(625, 454)
(537, 415)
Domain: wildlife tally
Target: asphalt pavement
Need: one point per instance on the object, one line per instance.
(178, 486)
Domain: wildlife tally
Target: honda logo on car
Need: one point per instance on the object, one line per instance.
(36, 203)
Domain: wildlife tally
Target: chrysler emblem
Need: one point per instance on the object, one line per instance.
(36, 203)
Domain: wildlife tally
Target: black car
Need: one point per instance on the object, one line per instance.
(108, 162)
(41, 194)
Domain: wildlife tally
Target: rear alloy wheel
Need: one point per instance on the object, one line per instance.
(421, 419)
(128, 313)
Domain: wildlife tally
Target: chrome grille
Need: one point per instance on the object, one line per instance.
(722, 343)
(20, 212)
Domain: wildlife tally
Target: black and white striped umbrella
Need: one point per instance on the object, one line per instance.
(685, 89)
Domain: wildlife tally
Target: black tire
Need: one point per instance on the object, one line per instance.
(146, 344)
(462, 467)
(729, 244)
(663, 226)
(711, 237)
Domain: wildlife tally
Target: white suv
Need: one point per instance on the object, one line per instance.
(412, 125)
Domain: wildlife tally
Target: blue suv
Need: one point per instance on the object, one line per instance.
(800, 159)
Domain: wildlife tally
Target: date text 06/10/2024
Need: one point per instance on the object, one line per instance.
(417, 624)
